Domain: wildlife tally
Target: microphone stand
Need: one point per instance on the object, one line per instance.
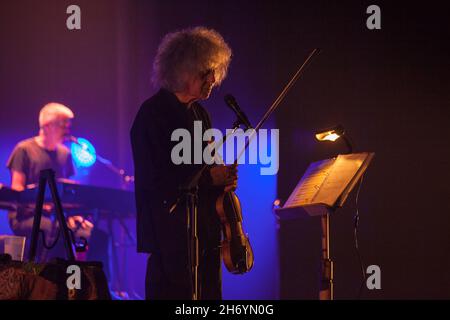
(121, 172)
(189, 191)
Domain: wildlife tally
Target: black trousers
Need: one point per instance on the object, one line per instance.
(159, 284)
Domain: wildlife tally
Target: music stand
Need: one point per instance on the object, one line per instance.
(322, 190)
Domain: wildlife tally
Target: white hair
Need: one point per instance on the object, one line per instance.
(53, 111)
(191, 51)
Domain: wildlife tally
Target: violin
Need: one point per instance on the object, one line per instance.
(236, 250)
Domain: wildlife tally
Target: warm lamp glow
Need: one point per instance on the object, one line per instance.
(334, 133)
(329, 135)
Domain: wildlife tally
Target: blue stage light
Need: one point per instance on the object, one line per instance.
(83, 153)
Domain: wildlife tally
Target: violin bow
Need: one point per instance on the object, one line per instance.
(278, 100)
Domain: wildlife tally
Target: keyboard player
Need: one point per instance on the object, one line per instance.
(46, 151)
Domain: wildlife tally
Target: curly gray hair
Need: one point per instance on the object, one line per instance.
(190, 52)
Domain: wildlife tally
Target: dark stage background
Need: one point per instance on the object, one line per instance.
(388, 87)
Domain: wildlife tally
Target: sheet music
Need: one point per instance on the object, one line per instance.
(344, 169)
(325, 185)
(310, 184)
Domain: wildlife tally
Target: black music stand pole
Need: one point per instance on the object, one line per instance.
(326, 281)
(48, 175)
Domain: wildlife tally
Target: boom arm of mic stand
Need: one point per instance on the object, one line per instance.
(115, 169)
(104, 161)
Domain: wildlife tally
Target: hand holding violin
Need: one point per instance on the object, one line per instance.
(225, 176)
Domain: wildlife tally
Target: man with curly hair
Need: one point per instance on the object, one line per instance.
(188, 65)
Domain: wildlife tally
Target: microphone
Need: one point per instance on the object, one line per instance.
(75, 140)
(232, 103)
